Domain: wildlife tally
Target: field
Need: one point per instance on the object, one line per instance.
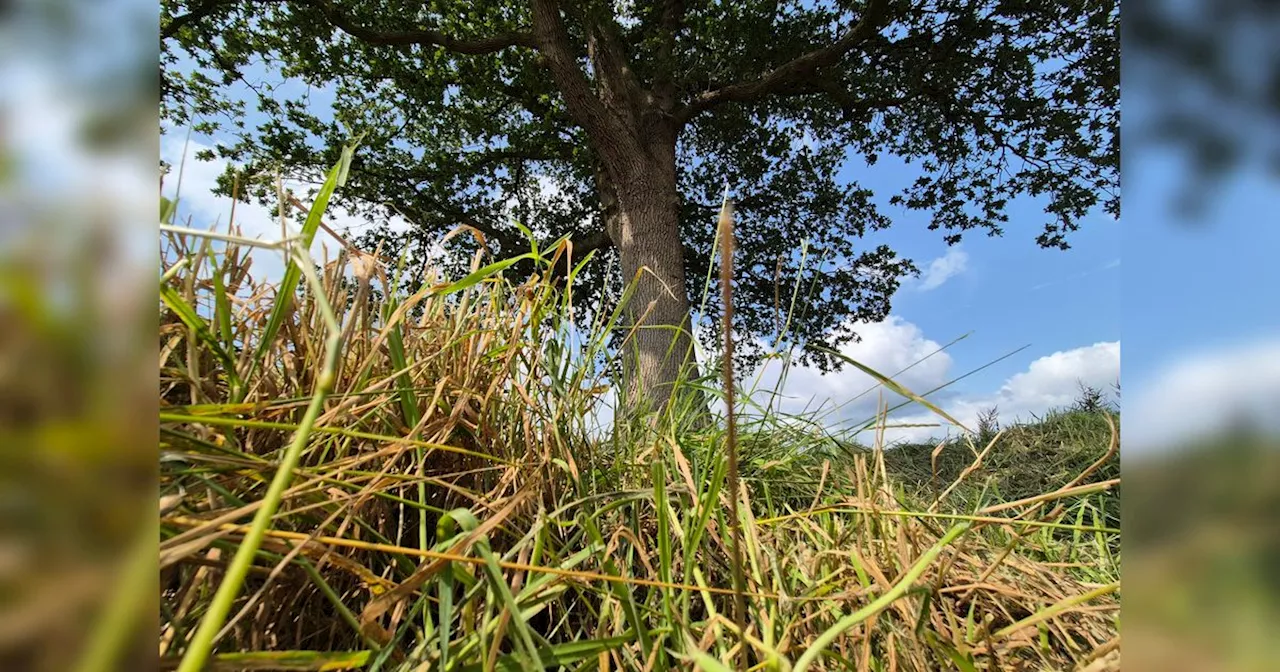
(384, 475)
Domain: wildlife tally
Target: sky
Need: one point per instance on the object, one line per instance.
(1201, 300)
(1184, 271)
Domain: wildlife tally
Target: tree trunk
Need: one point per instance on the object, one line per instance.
(635, 140)
(641, 205)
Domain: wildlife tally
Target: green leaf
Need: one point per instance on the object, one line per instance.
(963, 662)
(222, 310)
(621, 591)
(494, 573)
(899, 589)
(706, 662)
(168, 209)
(408, 401)
(528, 235)
(204, 335)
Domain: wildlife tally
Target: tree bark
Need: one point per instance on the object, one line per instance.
(636, 145)
(641, 207)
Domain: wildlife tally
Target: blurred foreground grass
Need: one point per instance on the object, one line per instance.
(1202, 565)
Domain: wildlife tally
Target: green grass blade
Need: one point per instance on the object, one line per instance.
(340, 431)
(482, 274)
(204, 334)
(222, 310)
(898, 590)
(168, 210)
(320, 661)
(709, 664)
(499, 585)
(408, 403)
(202, 642)
(293, 274)
(891, 384)
(559, 656)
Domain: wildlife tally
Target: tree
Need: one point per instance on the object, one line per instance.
(1205, 79)
(619, 123)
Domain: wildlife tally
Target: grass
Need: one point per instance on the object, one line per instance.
(417, 483)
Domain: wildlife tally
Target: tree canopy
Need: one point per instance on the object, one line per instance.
(1204, 78)
(489, 112)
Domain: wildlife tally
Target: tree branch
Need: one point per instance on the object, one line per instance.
(448, 213)
(792, 73)
(197, 12)
(423, 36)
(616, 80)
(607, 132)
(343, 22)
(596, 240)
(672, 20)
(562, 151)
(850, 105)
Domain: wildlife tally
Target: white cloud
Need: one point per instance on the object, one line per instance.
(889, 347)
(886, 347)
(942, 269)
(1052, 381)
(1202, 393)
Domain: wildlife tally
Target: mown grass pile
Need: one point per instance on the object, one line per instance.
(415, 483)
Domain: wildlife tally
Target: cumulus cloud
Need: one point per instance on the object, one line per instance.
(942, 269)
(1052, 381)
(901, 350)
(889, 347)
(1202, 393)
(894, 347)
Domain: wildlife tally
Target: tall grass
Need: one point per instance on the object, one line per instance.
(415, 483)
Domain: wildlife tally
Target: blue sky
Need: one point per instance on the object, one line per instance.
(1201, 320)
(1200, 284)
(1009, 292)
(1006, 293)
